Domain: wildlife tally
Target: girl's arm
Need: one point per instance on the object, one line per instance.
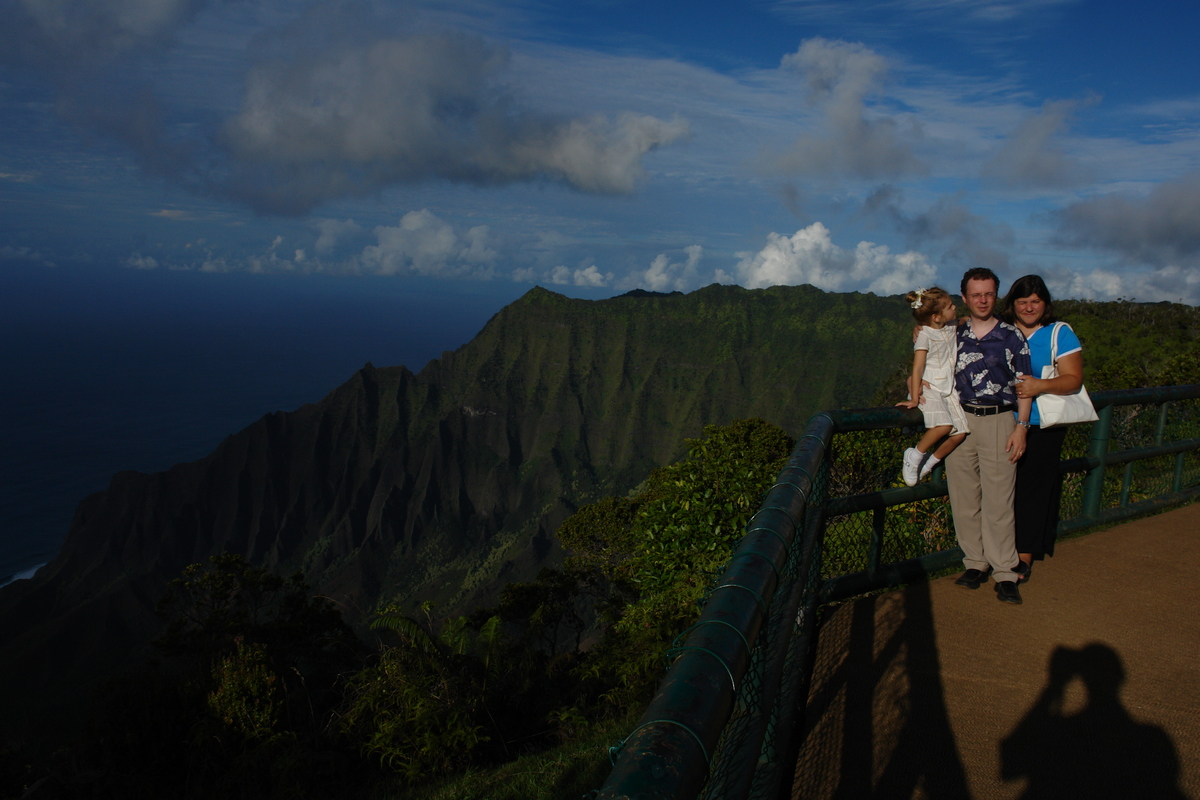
(914, 380)
(1070, 378)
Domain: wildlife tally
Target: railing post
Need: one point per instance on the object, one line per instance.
(1161, 429)
(875, 548)
(1093, 484)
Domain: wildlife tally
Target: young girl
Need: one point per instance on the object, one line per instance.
(931, 384)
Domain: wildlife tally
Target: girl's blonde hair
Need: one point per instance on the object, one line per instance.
(926, 302)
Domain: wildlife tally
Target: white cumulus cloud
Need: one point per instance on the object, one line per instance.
(664, 275)
(331, 231)
(1171, 284)
(139, 261)
(424, 244)
(562, 275)
(810, 256)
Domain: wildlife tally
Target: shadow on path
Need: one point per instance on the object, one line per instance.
(876, 725)
(1097, 751)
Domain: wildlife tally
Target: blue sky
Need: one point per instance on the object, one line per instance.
(608, 145)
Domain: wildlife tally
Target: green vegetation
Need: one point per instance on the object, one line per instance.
(1127, 344)
(262, 691)
(236, 707)
(571, 770)
(662, 547)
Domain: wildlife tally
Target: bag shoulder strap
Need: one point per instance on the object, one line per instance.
(1054, 342)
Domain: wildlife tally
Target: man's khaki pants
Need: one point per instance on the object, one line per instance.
(982, 484)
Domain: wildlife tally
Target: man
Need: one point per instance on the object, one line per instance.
(981, 473)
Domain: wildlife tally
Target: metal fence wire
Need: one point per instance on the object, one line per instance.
(747, 760)
(839, 522)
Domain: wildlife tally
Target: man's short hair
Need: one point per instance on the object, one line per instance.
(978, 274)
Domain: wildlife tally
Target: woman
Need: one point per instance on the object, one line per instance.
(1039, 484)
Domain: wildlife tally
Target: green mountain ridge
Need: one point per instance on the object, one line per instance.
(448, 484)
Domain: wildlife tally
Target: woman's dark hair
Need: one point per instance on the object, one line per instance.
(1028, 286)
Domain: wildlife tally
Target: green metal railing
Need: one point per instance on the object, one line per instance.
(837, 523)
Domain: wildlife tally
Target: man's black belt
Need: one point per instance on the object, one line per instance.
(987, 411)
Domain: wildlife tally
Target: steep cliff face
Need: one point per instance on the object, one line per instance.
(448, 484)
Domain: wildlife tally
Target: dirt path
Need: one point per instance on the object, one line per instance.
(942, 692)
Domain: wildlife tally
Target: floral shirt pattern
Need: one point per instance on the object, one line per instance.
(986, 370)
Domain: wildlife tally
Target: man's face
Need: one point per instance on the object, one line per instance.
(980, 298)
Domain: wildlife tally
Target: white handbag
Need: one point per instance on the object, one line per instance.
(1062, 409)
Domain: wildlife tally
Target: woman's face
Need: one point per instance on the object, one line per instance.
(1029, 310)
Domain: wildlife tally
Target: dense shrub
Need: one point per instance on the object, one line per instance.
(660, 549)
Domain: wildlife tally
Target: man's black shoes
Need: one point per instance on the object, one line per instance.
(973, 577)
(1006, 592)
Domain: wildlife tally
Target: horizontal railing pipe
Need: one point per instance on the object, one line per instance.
(1137, 509)
(1086, 463)
(1145, 395)
(885, 498)
(897, 573)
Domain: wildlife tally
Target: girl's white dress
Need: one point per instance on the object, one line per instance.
(941, 406)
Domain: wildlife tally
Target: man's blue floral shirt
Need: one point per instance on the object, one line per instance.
(986, 371)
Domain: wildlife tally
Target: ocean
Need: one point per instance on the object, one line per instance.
(109, 369)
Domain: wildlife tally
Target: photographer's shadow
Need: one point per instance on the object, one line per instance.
(1098, 751)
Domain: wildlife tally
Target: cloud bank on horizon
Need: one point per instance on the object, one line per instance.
(873, 149)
